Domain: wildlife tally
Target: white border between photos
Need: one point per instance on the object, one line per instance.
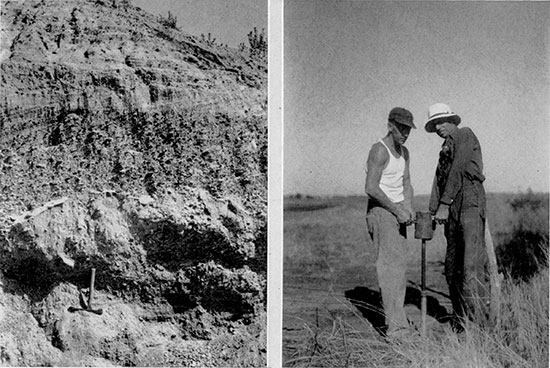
(275, 185)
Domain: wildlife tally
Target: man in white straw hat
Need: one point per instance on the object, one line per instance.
(458, 201)
(389, 211)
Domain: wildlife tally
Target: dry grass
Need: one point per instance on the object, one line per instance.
(519, 341)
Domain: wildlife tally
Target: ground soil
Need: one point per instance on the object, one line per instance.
(329, 266)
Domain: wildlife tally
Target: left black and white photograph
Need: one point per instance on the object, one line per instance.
(133, 183)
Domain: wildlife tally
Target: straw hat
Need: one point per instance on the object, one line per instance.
(438, 113)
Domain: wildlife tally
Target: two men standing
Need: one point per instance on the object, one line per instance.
(457, 201)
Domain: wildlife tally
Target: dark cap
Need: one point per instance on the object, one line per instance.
(401, 116)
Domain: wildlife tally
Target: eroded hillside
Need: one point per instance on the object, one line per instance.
(135, 149)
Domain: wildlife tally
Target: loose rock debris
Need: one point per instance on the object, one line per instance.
(137, 150)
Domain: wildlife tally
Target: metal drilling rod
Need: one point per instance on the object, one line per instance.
(423, 292)
(423, 230)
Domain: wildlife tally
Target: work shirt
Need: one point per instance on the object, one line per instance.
(459, 174)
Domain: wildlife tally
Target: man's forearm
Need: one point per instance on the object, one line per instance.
(408, 193)
(382, 199)
(434, 197)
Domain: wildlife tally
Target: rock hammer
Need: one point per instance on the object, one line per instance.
(87, 306)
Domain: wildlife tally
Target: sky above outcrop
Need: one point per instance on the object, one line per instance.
(347, 63)
(229, 21)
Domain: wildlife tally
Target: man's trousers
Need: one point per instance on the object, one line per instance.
(389, 239)
(466, 262)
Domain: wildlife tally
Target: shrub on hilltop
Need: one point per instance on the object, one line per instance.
(169, 21)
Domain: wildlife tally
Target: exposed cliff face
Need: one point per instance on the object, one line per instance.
(134, 149)
(91, 55)
(178, 264)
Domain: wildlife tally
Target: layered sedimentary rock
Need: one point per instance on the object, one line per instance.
(135, 149)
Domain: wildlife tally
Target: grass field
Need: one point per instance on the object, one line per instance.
(329, 275)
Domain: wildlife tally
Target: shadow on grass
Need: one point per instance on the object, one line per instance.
(369, 303)
(304, 207)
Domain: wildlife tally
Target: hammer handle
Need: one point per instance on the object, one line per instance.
(92, 282)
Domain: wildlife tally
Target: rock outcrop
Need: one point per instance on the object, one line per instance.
(139, 151)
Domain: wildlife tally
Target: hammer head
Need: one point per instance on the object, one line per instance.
(95, 311)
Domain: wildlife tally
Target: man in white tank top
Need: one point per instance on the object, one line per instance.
(389, 211)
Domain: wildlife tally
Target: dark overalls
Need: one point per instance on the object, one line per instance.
(459, 183)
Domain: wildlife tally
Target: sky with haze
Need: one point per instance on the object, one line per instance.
(347, 63)
(228, 21)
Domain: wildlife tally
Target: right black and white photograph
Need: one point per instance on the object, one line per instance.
(416, 184)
